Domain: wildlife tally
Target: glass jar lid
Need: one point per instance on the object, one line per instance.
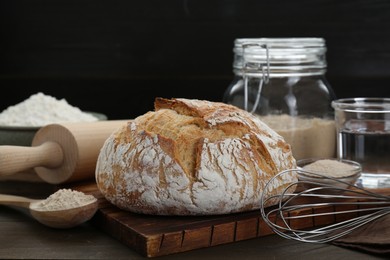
(279, 56)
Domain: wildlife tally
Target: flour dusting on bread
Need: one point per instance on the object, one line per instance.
(192, 157)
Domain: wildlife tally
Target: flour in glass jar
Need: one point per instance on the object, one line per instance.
(308, 137)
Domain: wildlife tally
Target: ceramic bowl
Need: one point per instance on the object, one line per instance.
(23, 135)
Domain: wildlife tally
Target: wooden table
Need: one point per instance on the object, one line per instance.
(21, 237)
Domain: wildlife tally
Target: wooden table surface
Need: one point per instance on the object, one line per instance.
(23, 238)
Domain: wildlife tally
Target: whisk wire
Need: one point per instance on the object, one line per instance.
(350, 207)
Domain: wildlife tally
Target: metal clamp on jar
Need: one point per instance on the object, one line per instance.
(282, 80)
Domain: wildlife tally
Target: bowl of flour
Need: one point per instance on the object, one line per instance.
(20, 122)
(337, 174)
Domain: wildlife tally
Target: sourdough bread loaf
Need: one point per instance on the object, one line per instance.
(192, 157)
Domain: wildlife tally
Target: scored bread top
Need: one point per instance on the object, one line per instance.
(191, 157)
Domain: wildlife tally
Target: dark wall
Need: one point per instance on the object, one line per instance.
(116, 56)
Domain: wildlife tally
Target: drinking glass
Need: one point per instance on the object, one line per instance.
(363, 135)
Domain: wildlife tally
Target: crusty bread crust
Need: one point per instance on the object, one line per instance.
(192, 157)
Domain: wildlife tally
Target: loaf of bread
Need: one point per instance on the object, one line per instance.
(192, 157)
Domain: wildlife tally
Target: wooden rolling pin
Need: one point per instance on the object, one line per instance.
(60, 152)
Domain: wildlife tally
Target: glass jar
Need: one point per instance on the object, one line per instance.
(282, 80)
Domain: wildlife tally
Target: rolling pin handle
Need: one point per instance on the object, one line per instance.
(14, 159)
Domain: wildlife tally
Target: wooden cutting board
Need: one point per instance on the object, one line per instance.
(154, 236)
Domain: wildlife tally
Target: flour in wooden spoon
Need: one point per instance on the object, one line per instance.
(63, 199)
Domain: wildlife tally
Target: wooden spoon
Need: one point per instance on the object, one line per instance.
(63, 218)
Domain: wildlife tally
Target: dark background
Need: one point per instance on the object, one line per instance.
(115, 57)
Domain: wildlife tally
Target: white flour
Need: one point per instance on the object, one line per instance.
(40, 109)
(63, 199)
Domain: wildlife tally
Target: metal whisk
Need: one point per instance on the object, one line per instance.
(320, 211)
